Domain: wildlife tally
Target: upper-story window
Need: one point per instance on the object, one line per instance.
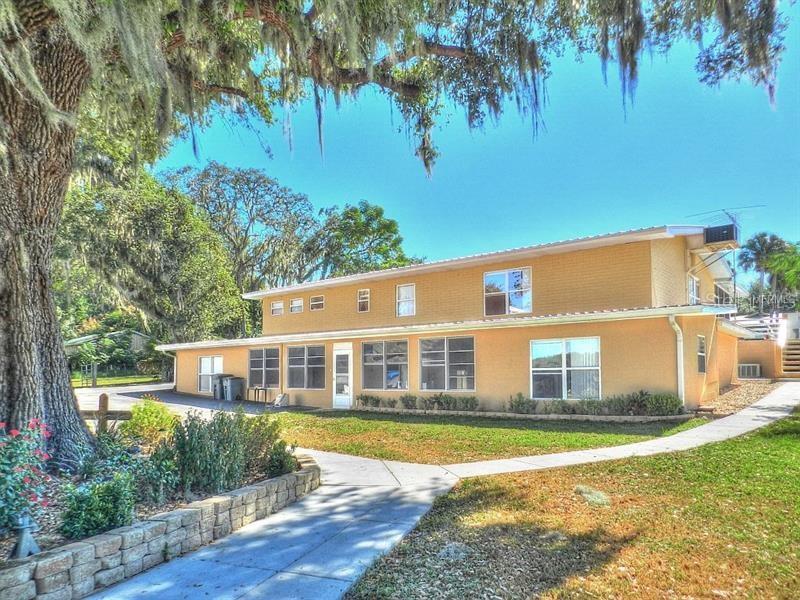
(406, 300)
(296, 305)
(363, 301)
(507, 292)
(276, 308)
(721, 295)
(693, 288)
(316, 303)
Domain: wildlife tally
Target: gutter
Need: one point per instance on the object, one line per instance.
(679, 356)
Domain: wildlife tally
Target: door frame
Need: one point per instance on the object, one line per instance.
(345, 349)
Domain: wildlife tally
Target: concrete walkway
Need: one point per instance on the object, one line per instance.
(317, 547)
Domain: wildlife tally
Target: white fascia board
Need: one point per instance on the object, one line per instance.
(738, 331)
(621, 315)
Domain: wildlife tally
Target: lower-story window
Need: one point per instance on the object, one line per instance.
(565, 369)
(385, 365)
(209, 365)
(265, 368)
(447, 363)
(306, 367)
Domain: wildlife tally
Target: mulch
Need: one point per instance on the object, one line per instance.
(742, 395)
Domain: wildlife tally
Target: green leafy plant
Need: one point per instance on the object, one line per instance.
(367, 400)
(281, 459)
(408, 401)
(468, 403)
(390, 402)
(151, 422)
(663, 404)
(98, 506)
(22, 476)
(426, 402)
(157, 476)
(521, 405)
(262, 433)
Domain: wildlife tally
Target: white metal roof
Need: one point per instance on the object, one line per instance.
(582, 243)
(603, 315)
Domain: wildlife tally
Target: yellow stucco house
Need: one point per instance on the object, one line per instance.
(584, 318)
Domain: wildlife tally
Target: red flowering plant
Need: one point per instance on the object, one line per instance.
(22, 476)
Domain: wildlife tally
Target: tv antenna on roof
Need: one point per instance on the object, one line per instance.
(721, 216)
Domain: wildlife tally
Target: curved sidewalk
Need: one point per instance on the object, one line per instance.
(319, 546)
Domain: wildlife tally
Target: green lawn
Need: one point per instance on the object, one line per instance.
(117, 380)
(449, 439)
(720, 521)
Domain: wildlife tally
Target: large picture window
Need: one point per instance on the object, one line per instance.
(565, 369)
(265, 368)
(447, 363)
(507, 292)
(209, 365)
(385, 365)
(306, 367)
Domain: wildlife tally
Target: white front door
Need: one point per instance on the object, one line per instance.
(342, 375)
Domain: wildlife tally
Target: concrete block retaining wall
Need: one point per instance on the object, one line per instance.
(77, 569)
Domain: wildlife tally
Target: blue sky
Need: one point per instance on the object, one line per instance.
(682, 149)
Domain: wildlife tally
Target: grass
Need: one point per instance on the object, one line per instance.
(720, 521)
(449, 439)
(117, 380)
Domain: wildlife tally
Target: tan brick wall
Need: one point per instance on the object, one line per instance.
(588, 280)
(669, 271)
(727, 358)
(635, 354)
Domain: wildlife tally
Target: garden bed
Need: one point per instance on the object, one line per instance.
(533, 417)
(77, 569)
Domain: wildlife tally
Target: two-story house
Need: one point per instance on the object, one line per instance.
(585, 318)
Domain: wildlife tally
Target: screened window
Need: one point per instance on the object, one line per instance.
(296, 305)
(265, 368)
(363, 300)
(385, 365)
(209, 365)
(693, 285)
(406, 300)
(566, 369)
(701, 354)
(447, 363)
(306, 367)
(507, 292)
(276, 308)
(721, 295)
(316, 303)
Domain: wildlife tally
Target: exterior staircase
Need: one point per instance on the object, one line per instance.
(791, 359)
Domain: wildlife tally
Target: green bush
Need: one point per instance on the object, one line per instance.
(98, 506)
(150, 422)
(390, 402)
(366, 400)
(22, 477)
(408, 401)
(468, 403)
(521, 405)
(281, 459)
(261, 434)
(426, 402)
(663, 404)
(157, 475)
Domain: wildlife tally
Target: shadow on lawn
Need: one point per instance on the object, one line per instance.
(466, 546)
(565, 426)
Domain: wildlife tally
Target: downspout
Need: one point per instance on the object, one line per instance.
(679, 356)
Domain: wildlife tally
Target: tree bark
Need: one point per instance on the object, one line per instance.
(34, 374)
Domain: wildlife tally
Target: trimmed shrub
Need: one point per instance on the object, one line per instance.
(281, 459)
(150, 422)
(663, 404)
(98, 506)
(468, 403)
(261, 434)
(390, 402)
(367, 400)
(521, 405)
(156, 476)
(426, 402)
(408, 401)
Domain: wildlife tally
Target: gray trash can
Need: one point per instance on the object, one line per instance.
(217, 385)
(234, 388)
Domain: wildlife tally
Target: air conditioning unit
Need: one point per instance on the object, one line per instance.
(749, 371)
(721, 234)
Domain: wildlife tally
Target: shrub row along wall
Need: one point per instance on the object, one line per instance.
(78, 569)
(532, 417)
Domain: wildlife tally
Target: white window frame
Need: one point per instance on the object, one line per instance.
(363, 295)
(305, 367)
(564, 368)
(296, 303)
(316, 303)
(507, 292)
(413, 299)
(447, 387)
(720, 293)
(693, 289)
(264, 368)
(276, 308)
(200, 373)
(407, 363)
(702, 351)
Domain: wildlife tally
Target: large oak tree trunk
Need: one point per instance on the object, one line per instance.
(34, 375)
